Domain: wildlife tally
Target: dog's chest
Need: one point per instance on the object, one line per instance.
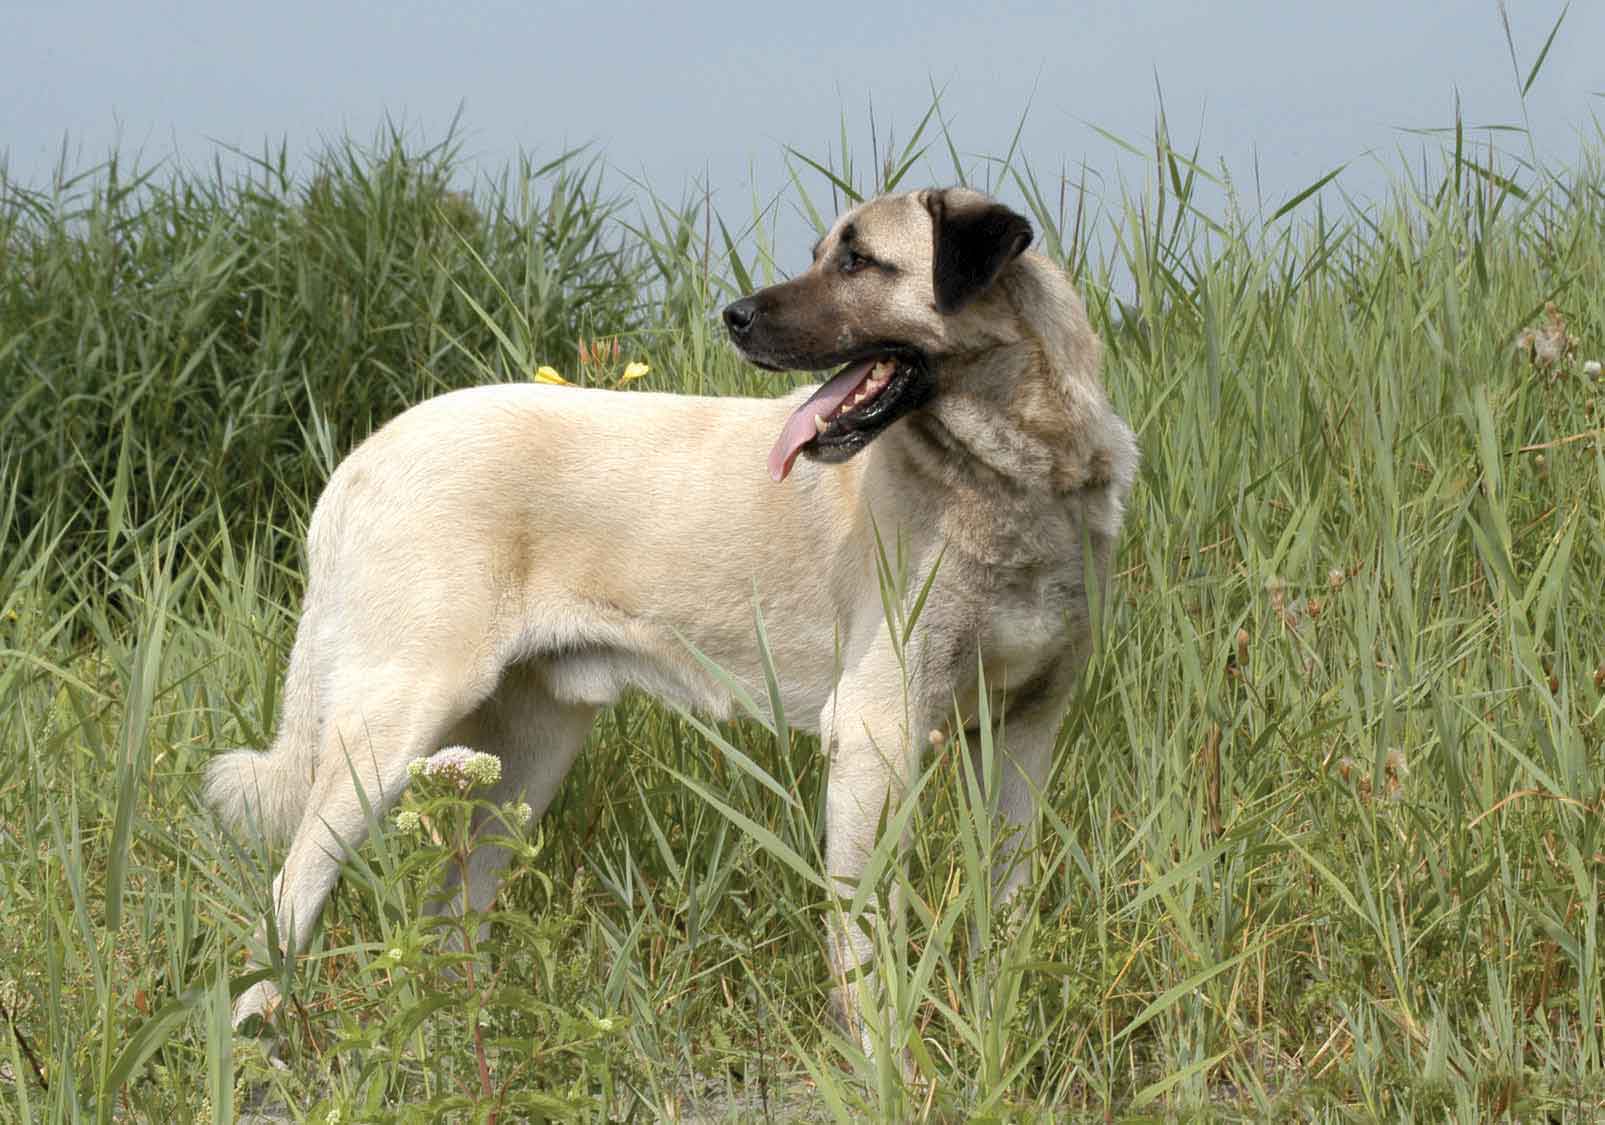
(1030, 621)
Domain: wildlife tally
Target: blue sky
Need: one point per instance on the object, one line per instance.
(676, 93)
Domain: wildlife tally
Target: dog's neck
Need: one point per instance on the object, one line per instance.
(1025, 410)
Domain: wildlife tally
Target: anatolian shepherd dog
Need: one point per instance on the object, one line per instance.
(496, 564)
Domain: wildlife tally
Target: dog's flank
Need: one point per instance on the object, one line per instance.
(497, 564)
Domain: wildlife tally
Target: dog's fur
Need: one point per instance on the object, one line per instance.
(496, 564)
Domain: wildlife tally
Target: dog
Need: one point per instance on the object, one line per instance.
(496, 564)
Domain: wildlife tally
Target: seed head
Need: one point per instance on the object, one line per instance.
(1396, 765)
(1277, 589)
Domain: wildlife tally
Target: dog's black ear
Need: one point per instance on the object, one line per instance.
(974, 239)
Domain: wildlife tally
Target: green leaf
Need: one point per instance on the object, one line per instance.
(841, 185)
(1157, 1089)
(1293, 203)
(149, 1036)
(763, 837)
(1168, 997)
(1538, 64)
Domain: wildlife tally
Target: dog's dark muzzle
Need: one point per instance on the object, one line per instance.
(752, 327)
(739, 315)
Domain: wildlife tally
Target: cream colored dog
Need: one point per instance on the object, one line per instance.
(496, 564)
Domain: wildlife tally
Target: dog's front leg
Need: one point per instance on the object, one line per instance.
(873, 758)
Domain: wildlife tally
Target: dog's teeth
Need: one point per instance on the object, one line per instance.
(820, 425)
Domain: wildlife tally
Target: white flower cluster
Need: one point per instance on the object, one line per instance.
(459, 767)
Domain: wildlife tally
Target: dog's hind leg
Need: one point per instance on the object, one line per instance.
(362, 770)
(537, 739)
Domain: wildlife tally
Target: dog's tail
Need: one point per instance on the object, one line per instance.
(265, 792)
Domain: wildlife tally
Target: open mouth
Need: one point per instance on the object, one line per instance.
(850, 410)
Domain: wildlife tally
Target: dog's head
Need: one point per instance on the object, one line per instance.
(897, 283)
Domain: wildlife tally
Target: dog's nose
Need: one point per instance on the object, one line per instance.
(738, 315)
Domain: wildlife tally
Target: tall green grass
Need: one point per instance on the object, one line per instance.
(168, 331)
(1324, 837)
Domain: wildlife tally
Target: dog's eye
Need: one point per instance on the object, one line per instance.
(852, 263)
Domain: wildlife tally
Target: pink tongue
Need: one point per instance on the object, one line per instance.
(800, 430)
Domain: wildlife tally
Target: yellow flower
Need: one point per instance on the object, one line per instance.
(634, 371)
(549, 375)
